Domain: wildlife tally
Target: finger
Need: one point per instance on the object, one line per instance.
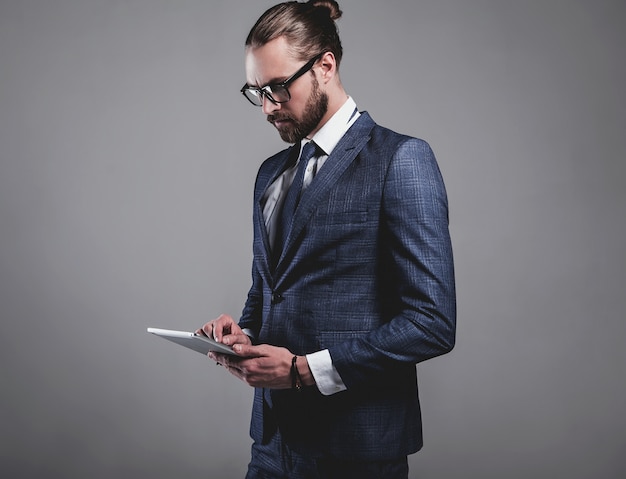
(214, 357)
(207, 329)
(220, 327)
(201, 331)
(231, 367)
(226, 360)
(240, 338)
(248, 350)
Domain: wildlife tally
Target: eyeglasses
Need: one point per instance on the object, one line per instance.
(276, 92)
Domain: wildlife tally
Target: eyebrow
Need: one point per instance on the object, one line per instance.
(273, 81)
(299, 73)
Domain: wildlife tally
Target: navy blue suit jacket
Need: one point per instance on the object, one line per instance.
(366, 273)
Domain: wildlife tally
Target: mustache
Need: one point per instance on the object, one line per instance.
(275, 117)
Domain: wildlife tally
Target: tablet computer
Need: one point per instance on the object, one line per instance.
(197, 342)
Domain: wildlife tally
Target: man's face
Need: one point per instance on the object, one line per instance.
(299, 117)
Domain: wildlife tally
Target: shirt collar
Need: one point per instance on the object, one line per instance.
(329, 135)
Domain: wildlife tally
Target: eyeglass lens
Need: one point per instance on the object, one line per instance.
(275, 93)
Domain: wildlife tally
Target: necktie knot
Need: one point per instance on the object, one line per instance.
(308, 151)
(293, 194)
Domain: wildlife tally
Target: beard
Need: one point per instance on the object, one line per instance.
(314, 110)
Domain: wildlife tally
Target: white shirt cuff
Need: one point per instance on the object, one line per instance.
(326, 376)
(249, 333)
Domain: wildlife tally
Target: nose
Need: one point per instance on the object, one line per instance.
(269, 106)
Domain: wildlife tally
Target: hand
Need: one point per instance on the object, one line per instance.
(259, 366)
(224, 330)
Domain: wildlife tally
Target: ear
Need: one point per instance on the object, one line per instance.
(327, 67)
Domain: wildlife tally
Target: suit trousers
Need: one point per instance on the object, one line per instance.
(276, 460)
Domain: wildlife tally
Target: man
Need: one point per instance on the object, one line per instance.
(352, 271)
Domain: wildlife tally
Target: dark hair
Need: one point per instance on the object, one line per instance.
(309, 28)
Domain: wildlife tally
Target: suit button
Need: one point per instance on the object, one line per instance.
(277, 298)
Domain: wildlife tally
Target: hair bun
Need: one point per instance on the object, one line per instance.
(332, 7)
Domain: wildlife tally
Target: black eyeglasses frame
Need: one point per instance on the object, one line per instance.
(265, 91)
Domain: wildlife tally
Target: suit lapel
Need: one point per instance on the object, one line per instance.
(339, 160)
(282, 162)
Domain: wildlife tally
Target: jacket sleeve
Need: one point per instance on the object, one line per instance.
(252, 311)
(416, 257)
(251, 315)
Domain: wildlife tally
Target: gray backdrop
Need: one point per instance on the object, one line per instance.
(127, 160)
